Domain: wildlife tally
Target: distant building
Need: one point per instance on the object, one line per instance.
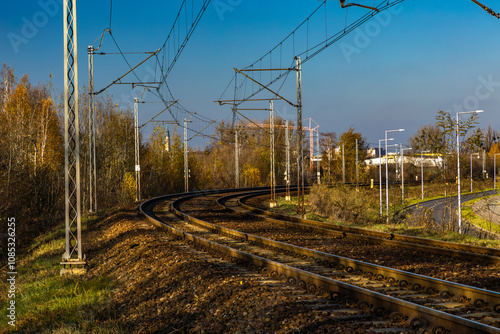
(372, 152)
(433, 160)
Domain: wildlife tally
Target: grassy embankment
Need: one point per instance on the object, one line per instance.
(470, 216)
(364, 212)
(47, 302)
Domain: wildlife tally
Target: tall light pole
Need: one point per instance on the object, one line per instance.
(422, 170)
(495, 170)
(380, 172)
(458, 167)
(387, 172)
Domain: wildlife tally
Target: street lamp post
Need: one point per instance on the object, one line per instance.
(380, 172)
(422, 170)
(458, 167)
(387, 172)
(386, 160)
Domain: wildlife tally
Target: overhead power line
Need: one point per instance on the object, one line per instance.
(182, 29)
(291, 47)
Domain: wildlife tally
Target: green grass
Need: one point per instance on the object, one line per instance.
(49, 303)
(419, 200)
(474, 219)
(290, 208)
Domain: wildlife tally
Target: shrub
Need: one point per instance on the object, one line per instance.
(344, 204)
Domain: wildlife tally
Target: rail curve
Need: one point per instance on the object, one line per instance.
(322, 274)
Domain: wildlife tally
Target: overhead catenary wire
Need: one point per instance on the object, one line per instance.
(162, 67)
(311, 51)
(110, 13)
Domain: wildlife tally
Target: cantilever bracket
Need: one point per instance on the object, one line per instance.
(487, 9)
(344, 5)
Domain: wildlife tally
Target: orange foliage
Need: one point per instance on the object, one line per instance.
(34, 133)
(494, 149)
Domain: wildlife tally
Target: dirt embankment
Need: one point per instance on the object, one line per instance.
(163, 285)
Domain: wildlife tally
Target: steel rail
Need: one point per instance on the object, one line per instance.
(397, 276)
(490, 255)
(413, 313)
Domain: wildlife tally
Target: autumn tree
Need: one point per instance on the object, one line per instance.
(428, 138)
(448, 126)
(347, 141)
(31, 154)
(491, 137)
(164, 163)
(328, 143)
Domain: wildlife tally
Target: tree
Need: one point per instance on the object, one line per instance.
(327, 142)
(428, 138)
(251, 176)
(475, 140)
(31, 155)
(347, 140)
(448, 126)
(494, 149)
(490, 137)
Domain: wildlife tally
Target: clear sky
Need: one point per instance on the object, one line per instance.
(395, 72)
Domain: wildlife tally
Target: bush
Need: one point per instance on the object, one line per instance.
(344, 204)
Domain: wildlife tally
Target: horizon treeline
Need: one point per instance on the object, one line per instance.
(32, 155)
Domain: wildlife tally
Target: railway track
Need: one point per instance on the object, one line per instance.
(239, 204)
(415, 302)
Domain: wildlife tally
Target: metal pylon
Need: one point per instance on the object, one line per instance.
(287, 176)
(236, 160)
(92, 134)
(73, 255)
(272, 204)
(137, 153)
(186, 166)
(300, 145)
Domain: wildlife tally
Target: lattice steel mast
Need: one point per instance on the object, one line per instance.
(136, 150)
(92, 134)
(288, 176)
(236, 160)
(73, 256)
(300, 146)
(272, 204)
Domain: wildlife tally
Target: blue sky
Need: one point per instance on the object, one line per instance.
(394, 73)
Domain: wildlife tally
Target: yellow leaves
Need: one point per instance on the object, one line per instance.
(128, 186)
(34, 131)
(251, 176)
(495, 148)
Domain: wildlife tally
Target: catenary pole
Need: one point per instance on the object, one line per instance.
(73, 255)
